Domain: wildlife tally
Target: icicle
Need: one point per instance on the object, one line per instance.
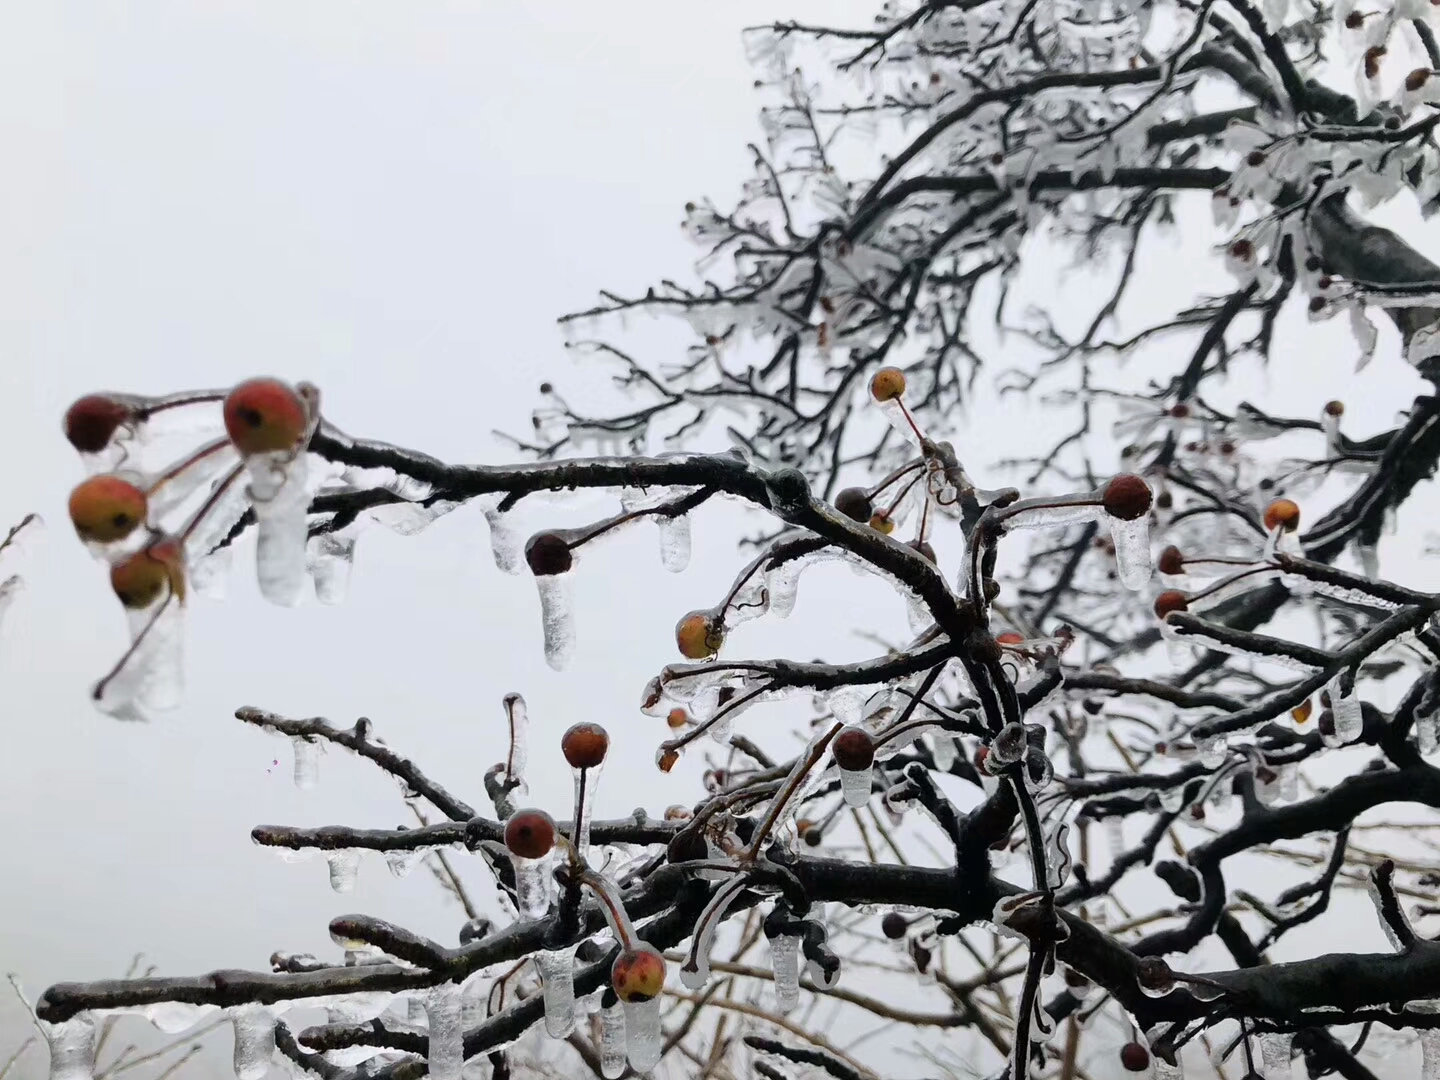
(1275, 1054)
(1115, 836)
(307, 761)
(517, 717)
(1345, 706)
(785, 960)
(277, 492)
(944, 750)
(10, 588)
(855, 785)
(612, 1041)
(152, 675)
(1132, 551)
(72, 1048)
(557, 618)
(1430, 1054)
(674, 542)
(532, 886)
(505, 543)
(557, 984)
(643, 1035)
(585, 782)
(447, 1033)
(1427, 735)
(344, 869)
(254, 1041)
(330, 561)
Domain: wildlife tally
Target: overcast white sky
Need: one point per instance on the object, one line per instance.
(393, 201)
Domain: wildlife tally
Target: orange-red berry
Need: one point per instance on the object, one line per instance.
(585, 745)
(92, 421)
(141, 579)
(1171, 561)
(1009, 637)
(104, 509)
(1282, 514)
(1127, 497)
(264, 416)
(1169, 601)
(677, 719)
(699, 635)
(638, 974)
(887, 384)
(530, 834)
(1301, 713)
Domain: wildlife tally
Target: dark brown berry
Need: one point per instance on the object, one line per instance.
(548, 554)
(1171, 561)
(853, 749)
(92, 421)
(894, 925)
(584, 745)
(1134, 1057)
(1170, 600)
(855, 504)
(1127, 497)
(530, 834)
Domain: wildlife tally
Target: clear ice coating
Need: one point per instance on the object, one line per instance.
(517, 717)
(785, 960)
(1165, 1071)
(344, 869)
(151, 674)
(557, 985)
(695, 971)
(1345, 707)
(1132, 551)
(532, 886)
(1053, 515)
(674, 542)
(443, 1013)
(557, 618)
(612, 1041)
(855, 785)
(643, 1037)
(278, 493)
(254, 1041)
(331, 558)
(307, 762)
(506, 544)
(1007, 747)
(1275, 1054)
(585, 783)
(72, 1048)
(1430, 1054)
(10, 588)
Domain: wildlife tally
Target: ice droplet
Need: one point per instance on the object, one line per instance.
(674, 542)
(1275, 1054)
(532, 886)
(612, 1041)
(72, 1048)
(1345, 706)
(277, 492)
(557, 618)
(785, 960)
(330, 560)
(401, 862)
(447, 1034)
(855, 785)
(642, 1034)
(344, 869)
(1132, 551)
(505, 542)
(557, 984)
(307, 761)
(254, 1041)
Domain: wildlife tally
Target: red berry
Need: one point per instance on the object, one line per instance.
(584, 745)
(677, 719)
(1009, 637)
(924, 548)
(1127, 497)
(1169, 601)
(638, 974)
(530, 834)
(104, 509)
(1135, 1057)
(264, 416)
(91, 422)
(1171, 561)
(1282, 514)
(140, 579)
(853, 749)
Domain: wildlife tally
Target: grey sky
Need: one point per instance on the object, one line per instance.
(393, 201)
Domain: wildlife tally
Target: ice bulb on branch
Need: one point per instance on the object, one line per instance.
(1127, 501)
(307, 762)
(72, 1048)
(530, 838)
(853, 749)
(638, 978)
(557, 985)
(551, 561)
(584, 746)
(1345, 706)
(1275, 1054)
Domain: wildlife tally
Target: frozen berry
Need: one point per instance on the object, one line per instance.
(1335, 409)
(1373, 56)
(584, 745)
(854, 503)
(853, 749)
(1243, 250)
(813, 837)
(1154, 974)
(104, 509)
(1326, 723)
(1355, 20)
(92, 421)
(1135, 1057)
(1009, 637)
(887, 384)
(667, 759)
(548, 554)
(882, 522)
(1282, 514)
(530, 834)
(699, 635)
(894, 925)
(1301, 713)
(638, 974)
(1127, 497)
(924, 548)
(143, 577)
(1171, 561)
(264, 416)
(1255, 158)
(677, 719)
(1169, 601)
(1416, 79)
